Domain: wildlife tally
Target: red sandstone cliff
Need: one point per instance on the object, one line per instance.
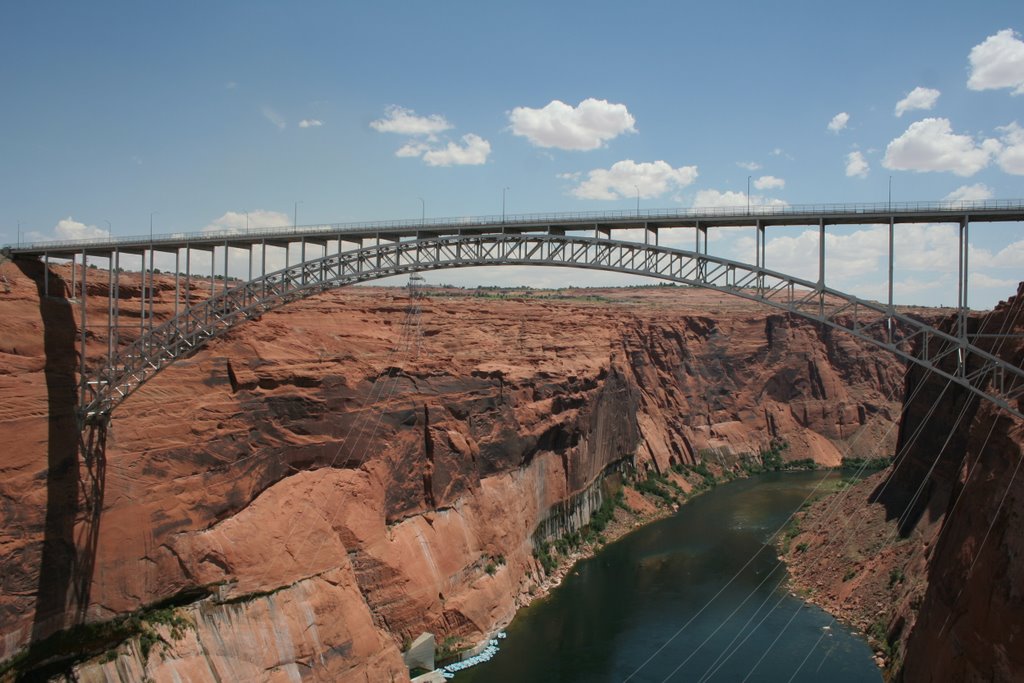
(330, 480)
(927, 555)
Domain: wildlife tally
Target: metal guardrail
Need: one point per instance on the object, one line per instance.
(540, 219)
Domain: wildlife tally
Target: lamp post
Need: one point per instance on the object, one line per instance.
(423, 211)
(19, 234)
(748, 195)
(109, 229)
(637, 188)
(295, 215)
(503, 191)
(151, 214)
(890, 193)
(247, 221)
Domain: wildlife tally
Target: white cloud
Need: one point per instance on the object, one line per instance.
(587, 126)
(707, 199)
(918, 98)
(749, 165)
(769, 182)
(472, 152)
(274, 118)
(625, 178)
(839, 122)
(310, 123)
(989, 282)
(931, 145)
(1011, 157)
(969, 193)
(235, 221)
(70, 229)
(998, 62)
(412, 149)
(856, 165)
(405, 122)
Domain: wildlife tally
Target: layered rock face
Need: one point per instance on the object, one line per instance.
(926, 556)
(327, 482)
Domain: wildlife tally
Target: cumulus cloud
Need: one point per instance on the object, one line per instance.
(235, 221)
(70, 229)
(275, 118)
(424, 144)
(472, 152)
(586, 126)
(969, 193)
(998, 62)
(918, 98)
(1011, 157)
(405, 122)
(310, 123)
(931, 145)
(708, 199)
(839, 122)
(769, 182)
(749, 165)
(626, 178)
(856, 165)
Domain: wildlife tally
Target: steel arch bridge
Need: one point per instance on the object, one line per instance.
(906, 337)
(404, 248)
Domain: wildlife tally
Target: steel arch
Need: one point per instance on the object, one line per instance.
(975, 369)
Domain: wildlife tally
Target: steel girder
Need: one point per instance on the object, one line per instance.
(975, 369)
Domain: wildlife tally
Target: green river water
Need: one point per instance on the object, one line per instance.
(645, 608)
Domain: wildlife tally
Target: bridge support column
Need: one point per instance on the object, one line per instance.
(46, 275)
(759, 253)
(821, 267)
(650, 235)
(82, 385)
(890, 308)
(74, 282)
(188, 274)
(962, 278)
(177, 280)
(150, 316)
(111, 289)
(115, 326)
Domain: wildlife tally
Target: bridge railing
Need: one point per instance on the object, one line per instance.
(332, 230)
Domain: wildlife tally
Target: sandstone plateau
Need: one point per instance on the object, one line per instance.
(302, 497)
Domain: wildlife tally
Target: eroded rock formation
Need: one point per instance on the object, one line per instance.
(926, 556)
(327, 482)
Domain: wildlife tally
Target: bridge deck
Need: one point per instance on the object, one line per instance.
(554, 223)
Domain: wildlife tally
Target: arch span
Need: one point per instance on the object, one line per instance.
(914, 341)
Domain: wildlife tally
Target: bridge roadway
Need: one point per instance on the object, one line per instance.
(601, 223)
(578, 240)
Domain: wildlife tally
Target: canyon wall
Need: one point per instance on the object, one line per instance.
(323, 484)
(926, 556)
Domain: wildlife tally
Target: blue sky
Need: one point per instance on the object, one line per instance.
(200, 111)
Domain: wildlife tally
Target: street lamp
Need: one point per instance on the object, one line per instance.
(295, 215)
(890, 193)
(423, 211)
(748, 195)
(637, 188)
(503, 191)
(151, 214)
(19, 234)
(109, 229)
(247, 221)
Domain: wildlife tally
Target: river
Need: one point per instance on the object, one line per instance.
(658, 604)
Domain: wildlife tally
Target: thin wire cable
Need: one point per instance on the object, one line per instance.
(1006, 324)
(810, 495)
(835, 502)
